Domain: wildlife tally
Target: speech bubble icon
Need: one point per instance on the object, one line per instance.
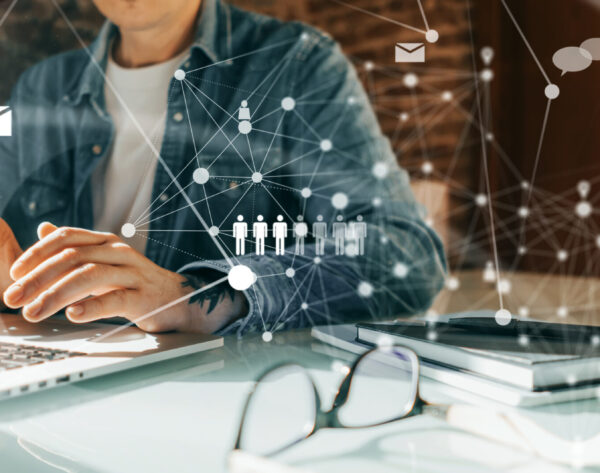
(572, 59)
(592, 46)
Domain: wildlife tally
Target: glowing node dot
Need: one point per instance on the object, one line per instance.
(427, 167)
(339, 200)
(201, 176)
(365, 289)
(583, 209)
(429, 222)
(326, 145)
(304, 306)
(524, 311)
(410, 80)
(380, 170)
(306, 192)
(245, 127)
(241, 277)
(404, 116)
(551, 91)
(524, 185)
(128, 230)
(383, 240)
(523, 212)
(447, 96)
(351, 100)
(257, 177)
(489, 136)
(432, 335)
(562, 311)
(522, 250)
(304, 36)
(317, 260)
(351, 250)
(213, 231)
(481, 200)
(595, 340)
(523, 340)
(504, 286)
(377, 203)
(179, 74)
(288, 104)
(487, 75)
(290, 272)
(571, 379)
(452, 283)
(562, 255)
(432, 36)
(267, 337)
(503, 317)
(369, 66)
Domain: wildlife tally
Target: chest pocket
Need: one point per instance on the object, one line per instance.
(43, 200)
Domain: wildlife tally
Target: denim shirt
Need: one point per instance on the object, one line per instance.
(61, 132)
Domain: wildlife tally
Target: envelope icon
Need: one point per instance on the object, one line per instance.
(5, 121)
(410, 52)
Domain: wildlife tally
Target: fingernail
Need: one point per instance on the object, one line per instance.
(33, 309)
(14, 294)
(75, 310)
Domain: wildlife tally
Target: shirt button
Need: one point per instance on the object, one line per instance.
(163, 197)
(178, 117)
(96, 149)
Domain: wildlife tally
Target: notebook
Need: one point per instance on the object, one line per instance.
(533, 364)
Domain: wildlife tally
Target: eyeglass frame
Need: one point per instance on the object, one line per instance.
(329, 419)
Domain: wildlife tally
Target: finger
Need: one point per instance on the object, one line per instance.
(44, 229)
(34, 283)
(119, 303)
(87, 280)
(55, 242)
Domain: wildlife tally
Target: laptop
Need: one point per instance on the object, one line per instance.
(56, 352)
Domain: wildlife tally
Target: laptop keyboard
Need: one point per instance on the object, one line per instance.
(17, 356)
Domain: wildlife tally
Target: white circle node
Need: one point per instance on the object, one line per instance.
(487, 75)
(504, 286)
(257, 177)
(583, 209)
(267, 337)
(562, 255)
(179, 74)
(304, 306)
(306, 192)
(290, 272)
(562, 311)
(404, 116)
(326, 145)
(452, 283)
(489, 136)
(317, 260)
(432, 36)
(128, 230)
(245, 127)
(522, 250)
(400, 270)
(380, 170)
(552, 91)
(524, 311)
(201, 176)
(213, 231)
(241, 277)
(481, 200)
(447, 96)
(369, 66)
(427, 167)
(288, 104)
(304, 36)
(523, 212)
(377, 201)
(503, 317)
(339, 200)
(365, 289)
(410, 80)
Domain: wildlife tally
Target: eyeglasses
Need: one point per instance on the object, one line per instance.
(284, 406)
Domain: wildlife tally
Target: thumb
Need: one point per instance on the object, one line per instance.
(44, 229)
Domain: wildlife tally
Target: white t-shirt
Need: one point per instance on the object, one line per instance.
(122, 184)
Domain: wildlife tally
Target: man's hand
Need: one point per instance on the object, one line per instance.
(9, 252)
(68, 265)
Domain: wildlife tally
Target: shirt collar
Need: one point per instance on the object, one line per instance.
(214, 26)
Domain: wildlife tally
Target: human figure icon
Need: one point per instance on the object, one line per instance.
(240, 233)
(320, 233)
(280, 229)
(338, 231)
(244, 111)
(358, 231)
(260, 230)
(300, 232)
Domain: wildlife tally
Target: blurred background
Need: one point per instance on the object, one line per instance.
(463, 111)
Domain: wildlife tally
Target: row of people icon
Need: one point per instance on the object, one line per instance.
(354, 231)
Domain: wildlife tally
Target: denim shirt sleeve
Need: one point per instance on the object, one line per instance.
(332, 104)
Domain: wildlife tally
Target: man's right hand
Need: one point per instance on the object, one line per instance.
(9, 252)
